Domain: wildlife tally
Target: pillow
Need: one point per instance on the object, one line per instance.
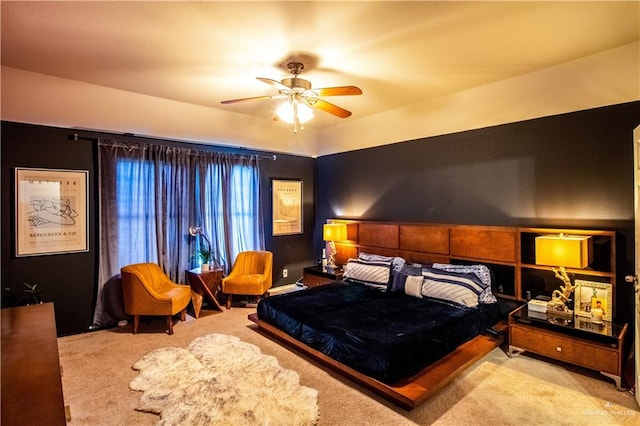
(368, 272)
(481, 271)
(397, 282)
(413, 286)
(396, 262)
(374, 257)
(460, 288)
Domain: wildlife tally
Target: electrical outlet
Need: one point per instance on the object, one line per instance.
(285, 273)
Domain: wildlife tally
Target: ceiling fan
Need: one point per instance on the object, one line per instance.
(300, 97)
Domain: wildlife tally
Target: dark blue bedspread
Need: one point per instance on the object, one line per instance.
(386, 335)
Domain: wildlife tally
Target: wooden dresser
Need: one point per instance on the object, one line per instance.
(31, 376)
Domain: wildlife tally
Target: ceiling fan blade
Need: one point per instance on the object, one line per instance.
(233, 101)
(331, 108)
(338, 91)
(275, 83)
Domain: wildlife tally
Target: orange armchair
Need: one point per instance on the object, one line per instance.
(251, 274)
(147, 290)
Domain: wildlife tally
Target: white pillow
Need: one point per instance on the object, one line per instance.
(413, 286)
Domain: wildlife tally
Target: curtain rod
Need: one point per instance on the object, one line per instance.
(77, 137)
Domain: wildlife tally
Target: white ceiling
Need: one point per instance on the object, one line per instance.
(193, 55)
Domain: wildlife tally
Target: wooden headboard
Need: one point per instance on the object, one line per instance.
(507, 250)
(430, 242)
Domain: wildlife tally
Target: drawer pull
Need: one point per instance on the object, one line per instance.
(558, 348)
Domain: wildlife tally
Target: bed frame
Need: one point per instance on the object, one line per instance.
(417, 388)
(418, 243)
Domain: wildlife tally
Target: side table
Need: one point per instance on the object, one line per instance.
(314, 276)
(204, 285)
(601, 347)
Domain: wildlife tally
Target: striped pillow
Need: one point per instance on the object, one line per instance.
(396, 262)
(481, 271)
(463, 289)
(368, 272)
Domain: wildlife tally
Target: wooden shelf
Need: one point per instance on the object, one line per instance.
(601, 269)
(590, 272)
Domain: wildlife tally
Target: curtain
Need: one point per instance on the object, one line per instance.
(150, 195)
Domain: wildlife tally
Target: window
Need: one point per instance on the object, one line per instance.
(136, 212)
(151, 194)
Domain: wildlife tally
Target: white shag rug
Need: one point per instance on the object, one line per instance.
(222, 380)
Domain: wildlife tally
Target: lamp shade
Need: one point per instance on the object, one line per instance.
(570, 251)
(286, 111)
(334, 232)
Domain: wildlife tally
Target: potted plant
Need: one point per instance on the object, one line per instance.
(34, 292)
(32, 295)
(205, 255)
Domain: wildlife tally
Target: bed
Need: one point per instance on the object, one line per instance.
(387, 336)
(398, 327)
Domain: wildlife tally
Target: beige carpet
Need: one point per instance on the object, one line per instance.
(496, 391)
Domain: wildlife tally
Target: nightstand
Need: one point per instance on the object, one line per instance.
(578, 341)
(314, 276)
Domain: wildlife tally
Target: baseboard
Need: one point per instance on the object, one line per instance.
(282, 289)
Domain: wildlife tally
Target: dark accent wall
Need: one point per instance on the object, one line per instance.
(68, 279)
(570, 171)
(71, 279)
(293, 252)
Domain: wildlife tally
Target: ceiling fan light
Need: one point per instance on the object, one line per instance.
(305, 113)
(286, 113)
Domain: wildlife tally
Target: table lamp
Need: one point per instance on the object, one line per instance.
(562, 251)
(332, 232)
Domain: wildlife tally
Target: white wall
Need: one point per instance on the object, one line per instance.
(41, 99)
(607, 78)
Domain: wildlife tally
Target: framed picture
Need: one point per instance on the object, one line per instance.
(593, 295)
(286, 206)
(51, 211)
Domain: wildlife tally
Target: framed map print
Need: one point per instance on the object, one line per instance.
(50, 211)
